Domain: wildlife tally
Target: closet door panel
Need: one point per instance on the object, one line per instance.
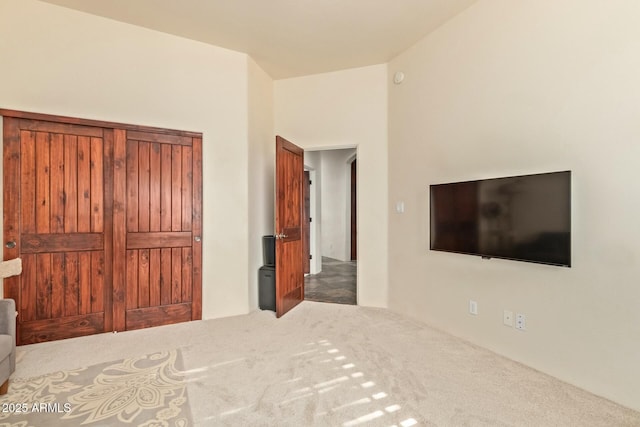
(162, 184)
(51, 205)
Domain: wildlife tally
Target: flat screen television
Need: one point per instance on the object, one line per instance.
(523, 218)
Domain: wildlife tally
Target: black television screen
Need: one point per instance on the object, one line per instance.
(524, 218)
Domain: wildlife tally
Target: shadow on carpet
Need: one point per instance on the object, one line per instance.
(145, 391)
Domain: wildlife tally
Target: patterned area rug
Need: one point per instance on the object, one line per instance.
(146, 391)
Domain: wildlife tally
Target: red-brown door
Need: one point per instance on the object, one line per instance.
(158, 248)
(289, 218)
(57, 218)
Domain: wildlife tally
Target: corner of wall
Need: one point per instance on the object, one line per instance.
(261, 170)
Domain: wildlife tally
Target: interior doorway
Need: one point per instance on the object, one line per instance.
(332, 223)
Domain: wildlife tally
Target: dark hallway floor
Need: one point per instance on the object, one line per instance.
(336, 282)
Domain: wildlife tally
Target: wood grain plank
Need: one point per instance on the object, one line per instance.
(176, 188)
(154, 277)
(196, 226)
(27, 307)
(158, 316)
(165, 188)
(132, 279)
(132, 186)
(71, 183)
(165, 276)
(187, 274)
(71, 289)
(155, 173)
(105, 289)
(187, 188)
(97, 185)
(99, 283)
(162, 239)
(84, 184)
(43, 203)
(28, 182)
(12, 201)
(84, 283)
(176, 275)
(61, 128)
(58, 329)
(119, 228)
(161, 138)
(143, 186)
(43, 286)
(43, 243)
(57, 183)
(143, 278)
(57, 284)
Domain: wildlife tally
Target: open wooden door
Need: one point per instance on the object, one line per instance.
(289, 219)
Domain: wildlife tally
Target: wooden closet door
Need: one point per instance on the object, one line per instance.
(107, 219)
(57, 218)
(157, 229)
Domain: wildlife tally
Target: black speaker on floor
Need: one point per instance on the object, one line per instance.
(267, 275)
(267, 288)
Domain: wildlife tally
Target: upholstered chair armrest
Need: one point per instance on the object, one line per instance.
(8, 317)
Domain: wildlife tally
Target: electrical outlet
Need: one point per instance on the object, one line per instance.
(507, 318)
(473, 307)
(520, 321)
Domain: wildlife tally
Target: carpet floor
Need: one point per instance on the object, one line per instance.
(338, 365)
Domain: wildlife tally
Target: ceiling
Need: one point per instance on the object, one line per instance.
(289, 38)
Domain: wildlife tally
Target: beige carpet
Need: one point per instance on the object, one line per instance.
(339, 365)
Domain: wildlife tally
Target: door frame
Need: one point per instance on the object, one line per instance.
(315, 266)
(306, 223)
(316, 199)
(353, 208)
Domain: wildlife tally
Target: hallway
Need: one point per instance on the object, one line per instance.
(336, 283)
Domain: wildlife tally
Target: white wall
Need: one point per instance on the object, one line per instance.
(63, 62)
(261, 171)
(515, 87)
(336, 203)
(345, 109)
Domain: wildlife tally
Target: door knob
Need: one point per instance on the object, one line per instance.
(281, 236)
(197, 238)
(10, 245)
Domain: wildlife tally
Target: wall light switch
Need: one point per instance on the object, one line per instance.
(508, 318)
(473, 307)
(400, 207)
